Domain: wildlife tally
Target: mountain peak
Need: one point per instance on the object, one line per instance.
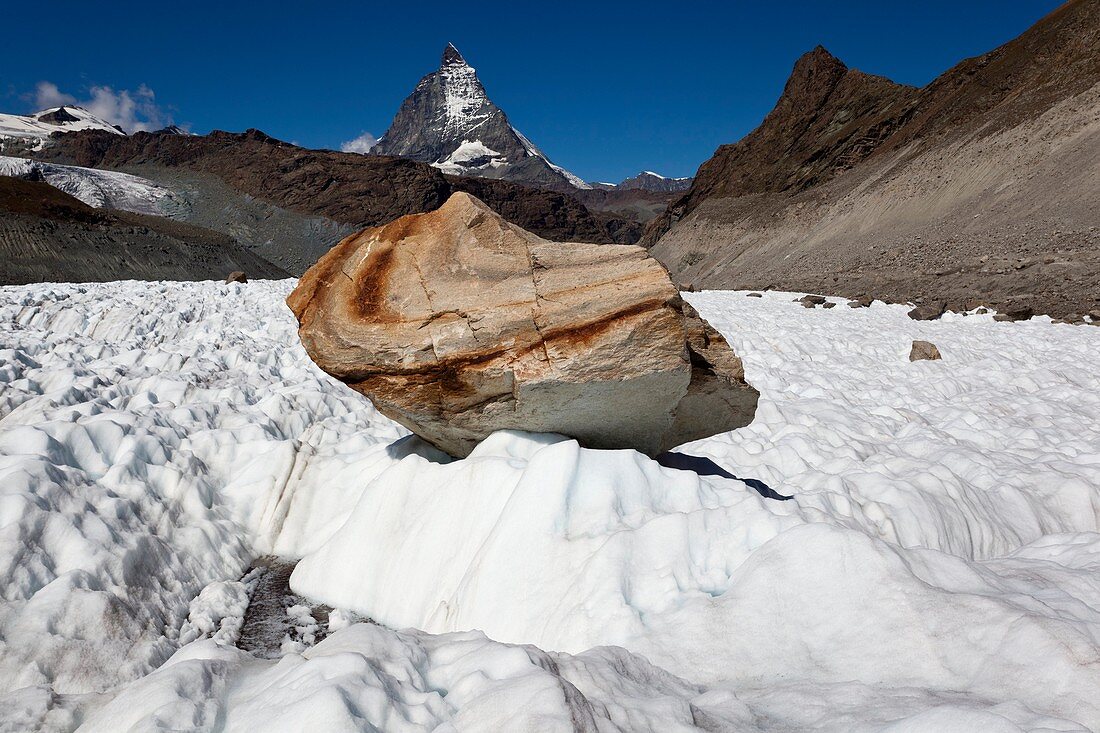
(58, 116)
(449, 122)
(818, 63)
(451, 57)
(814, 77)
(650, 181)
(820, 52)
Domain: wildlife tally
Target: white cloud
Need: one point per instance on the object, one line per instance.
(133, 111)
(46, 94)
(361, 144)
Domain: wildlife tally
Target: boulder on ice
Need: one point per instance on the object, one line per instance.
(456, 324)
(924, 350)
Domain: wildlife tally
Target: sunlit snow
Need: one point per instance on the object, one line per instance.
(31, 129)
(938, 568)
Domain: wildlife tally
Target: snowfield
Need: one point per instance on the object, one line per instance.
(937, 569)
(33, 130)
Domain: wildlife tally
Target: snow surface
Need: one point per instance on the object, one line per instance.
(663, 178)
(938, 568)
(101, 189)
(30, 128)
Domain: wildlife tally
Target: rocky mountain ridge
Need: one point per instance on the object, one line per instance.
(320, 195)
(648, 181)
(980, 188)
(828, 118)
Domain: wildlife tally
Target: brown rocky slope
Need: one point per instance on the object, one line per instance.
(347, 188)
(982, 187)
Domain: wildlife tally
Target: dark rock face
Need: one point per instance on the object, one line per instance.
(348, 188)
(58, 116)
(982, 185)
(1015, 312)
(590, 341)
(549, 214)
(631, 204)
(450, 122)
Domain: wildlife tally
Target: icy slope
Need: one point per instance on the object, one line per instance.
(101, 189)
(937, 569)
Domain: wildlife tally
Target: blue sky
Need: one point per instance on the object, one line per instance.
(604, 88)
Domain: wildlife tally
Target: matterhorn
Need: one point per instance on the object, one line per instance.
(450, 122)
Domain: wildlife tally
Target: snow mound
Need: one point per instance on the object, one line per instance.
(938, 567)
(369, 678)
(608, 548)
(593, 543)
(99, 189)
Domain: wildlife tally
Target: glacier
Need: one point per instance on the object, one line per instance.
(98, 188)
(937, 569)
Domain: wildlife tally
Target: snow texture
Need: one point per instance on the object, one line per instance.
(100, 189)
(938, 568)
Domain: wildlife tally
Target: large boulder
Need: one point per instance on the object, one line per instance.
(456, 324)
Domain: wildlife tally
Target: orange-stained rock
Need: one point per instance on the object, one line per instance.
(456, 323)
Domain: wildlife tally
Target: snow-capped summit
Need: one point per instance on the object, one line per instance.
(650, 181)
(450, 122)
(30, 132)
